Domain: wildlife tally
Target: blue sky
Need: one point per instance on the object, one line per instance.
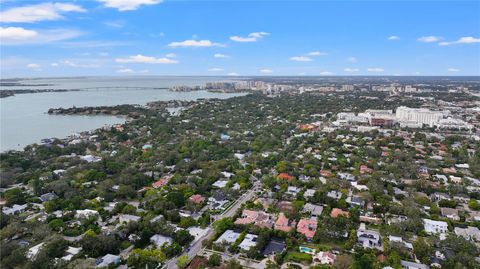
(153, 37)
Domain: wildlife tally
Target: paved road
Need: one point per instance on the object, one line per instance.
(197, 245)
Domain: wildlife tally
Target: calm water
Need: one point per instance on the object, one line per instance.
(24, 119)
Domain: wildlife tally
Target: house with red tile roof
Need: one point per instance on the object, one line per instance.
(336, 212)
(326, 173)
(196, 199)
(307, 227)
(285, 176)
(365, 169)
(306, 127)
(284, 224)
(258, 218)
(161, 182)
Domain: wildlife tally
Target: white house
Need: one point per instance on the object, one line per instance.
(159, 240)
(229, 237)
(249, 241)
(434, 226)
(108, 259)
(14, 209)
(85, 213)
(324, 257)
(33, 251)
(469, 233)
(125, 218)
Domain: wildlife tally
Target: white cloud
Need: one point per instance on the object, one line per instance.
(33, 66)
(352, 59)
(326, 73)
(462, 40)
(22, 36)
(453, 70)
(317, 53)
(233, 74)
(127, 5)
(145, 60)
(215, 69)
(54, 64)
(266, 71)
(252, 37)
(375, 69)
(16, 33)
(393, 37)
(103, 54)
(125, 70)
(171, 55)
(70, 63)
(348, 69)
(131, 71)
(38, 12)
(219, 55)
(429, 39)
(195, 43)
(115, 24)
(301, 59)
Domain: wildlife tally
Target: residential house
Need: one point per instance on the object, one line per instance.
(324, 257)
(228, 237)
(220, 184)
(292, 191)
(107, 260)
(355, 201)
(85, 213)
(371, 219)
(368, 238)
(285, 206)
(33, 251)
(398, 240)
(258, 218)
(196, 199)
(159, 240)
(48, 196)
(248, 242)
(413, 265)
(326, 173)
(346, 176)
(309, 193)
(365, 169)
(307, 227)
(161, 182)
(14, 209)
(337, 212)
(284, 224)
(450, 213)
(334, 195)
(434, 226)
(126, 218)
(438, 196)
(469, 233)
(315, 211)
(275, 246)
(217, 201)
(285, 176)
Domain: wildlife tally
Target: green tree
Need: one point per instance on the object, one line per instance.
(146, 258)
(422, 249)
(183, 261)
(214, 260)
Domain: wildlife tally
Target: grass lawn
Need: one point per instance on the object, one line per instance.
(295, 256)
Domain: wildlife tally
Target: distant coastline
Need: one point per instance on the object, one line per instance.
(9, 93)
